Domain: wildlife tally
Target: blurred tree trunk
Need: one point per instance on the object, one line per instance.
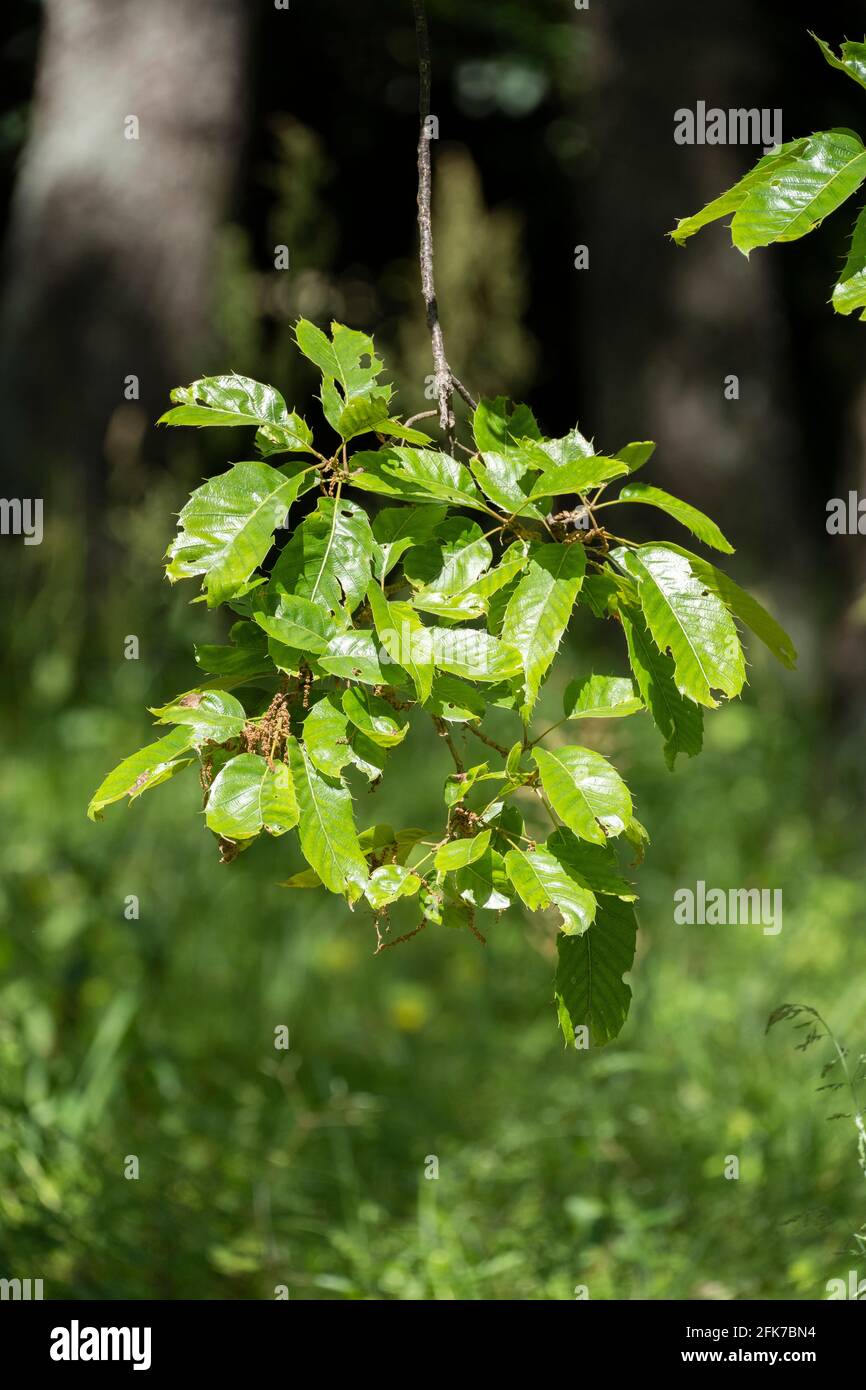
(136, 129)
(666, 327)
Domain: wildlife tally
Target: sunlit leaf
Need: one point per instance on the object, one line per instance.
(247, 795)
(585, 791)
(539, 609)
(227, 527)
(142, 770)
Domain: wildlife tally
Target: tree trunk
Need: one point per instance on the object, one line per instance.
(136, 126)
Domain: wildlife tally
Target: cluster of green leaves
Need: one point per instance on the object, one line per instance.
(446, 596)
(793, 188)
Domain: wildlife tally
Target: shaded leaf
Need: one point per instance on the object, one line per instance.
(395, 529)
(589, 988)
(484, 884)
(679, 720)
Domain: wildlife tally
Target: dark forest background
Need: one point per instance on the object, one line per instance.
(262, 127)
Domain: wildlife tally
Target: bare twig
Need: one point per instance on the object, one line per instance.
(446, 381)
(398, 940)
(442, 731)
(485, 738)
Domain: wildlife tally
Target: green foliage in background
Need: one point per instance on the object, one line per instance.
(793, 188)
(335, 651)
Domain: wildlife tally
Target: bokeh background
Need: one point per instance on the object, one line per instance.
(154, 1037)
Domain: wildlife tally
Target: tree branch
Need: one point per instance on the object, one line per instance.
(446, 382)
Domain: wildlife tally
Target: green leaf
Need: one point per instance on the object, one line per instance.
(592, 866)
(142, 770)
(456, 608)
(498, 426)
(790, 191)
(542, 881)
(853, 60)
(367, 756)
(769, 166)
(329, 556)
(511, 563)
(247, 656)
(473, 653)
(634, 456)
(589, 987)
(405, 638)
(686, 618)
(342, 357)
(416, 475)
(679, 720)
(695, 521)
(210, 715)
(454, 699)
(602, 593)
(247, 795)
(507, 482)
(376, 838)
(299, 623)
(227, 526)
(539, 610)
(326, 736)
(238, 400)
(390, 882)
(580, 476)
(554, 454)
(849, 292)
(600, 697)
(396, 529)
(483, 882)
(398, 430)
(358, 656)
(307, 878)
(459, 784)
(329, 840)
(744, 606)
(458, 853)
(452, 560)
(585, 791)
(374, 717)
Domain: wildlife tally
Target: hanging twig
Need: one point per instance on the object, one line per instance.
(446, 381)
